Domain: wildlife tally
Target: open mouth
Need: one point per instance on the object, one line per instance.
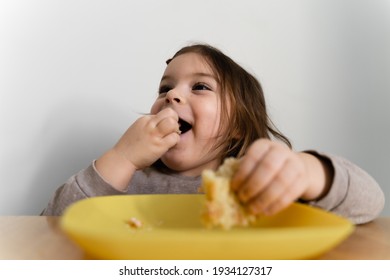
(184, 126)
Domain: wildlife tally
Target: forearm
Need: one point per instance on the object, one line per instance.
(353, 193)
(86, 183)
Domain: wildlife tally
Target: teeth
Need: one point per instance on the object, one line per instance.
(178, 131)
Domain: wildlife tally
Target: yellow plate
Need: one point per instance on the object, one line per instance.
(172, 229)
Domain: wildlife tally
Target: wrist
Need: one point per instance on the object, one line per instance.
(319, 172)
(115, 169)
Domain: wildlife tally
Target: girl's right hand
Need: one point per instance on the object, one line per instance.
(144, 142)
(149, 137)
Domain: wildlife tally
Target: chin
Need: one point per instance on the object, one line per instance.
(180, 167)
(173, 164)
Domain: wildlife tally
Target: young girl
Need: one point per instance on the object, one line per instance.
(209, 108)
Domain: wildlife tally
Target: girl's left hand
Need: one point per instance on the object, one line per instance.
(271, 176)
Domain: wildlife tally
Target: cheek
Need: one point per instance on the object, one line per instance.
(211, 119)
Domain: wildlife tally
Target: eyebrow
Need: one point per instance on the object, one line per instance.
(198, 74)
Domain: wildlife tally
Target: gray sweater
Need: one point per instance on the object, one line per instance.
(354, 194)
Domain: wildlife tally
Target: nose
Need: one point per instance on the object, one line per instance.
(173, 96)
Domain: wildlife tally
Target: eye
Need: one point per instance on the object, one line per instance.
(164, 89)
(200, 86)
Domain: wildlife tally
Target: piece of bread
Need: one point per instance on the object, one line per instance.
(223, 208)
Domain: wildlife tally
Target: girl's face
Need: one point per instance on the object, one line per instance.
(190, 88)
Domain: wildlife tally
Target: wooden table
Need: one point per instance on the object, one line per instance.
(35, 237)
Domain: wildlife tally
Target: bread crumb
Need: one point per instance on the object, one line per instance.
(134, 223)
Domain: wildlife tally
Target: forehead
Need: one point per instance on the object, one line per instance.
(188, 63)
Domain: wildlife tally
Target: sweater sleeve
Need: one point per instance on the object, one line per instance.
(353, 194)
(86, 183)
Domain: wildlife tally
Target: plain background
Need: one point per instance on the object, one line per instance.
(75, 74)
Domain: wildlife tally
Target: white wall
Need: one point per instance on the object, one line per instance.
(75, 74)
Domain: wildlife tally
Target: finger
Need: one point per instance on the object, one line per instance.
(167, 126)
(165, 113)
(171, 140)
(269, 166)
(285, 200)
(279, 189)
(248, 163)
(264, 199)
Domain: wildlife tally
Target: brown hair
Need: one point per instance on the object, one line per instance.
(248, 119)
